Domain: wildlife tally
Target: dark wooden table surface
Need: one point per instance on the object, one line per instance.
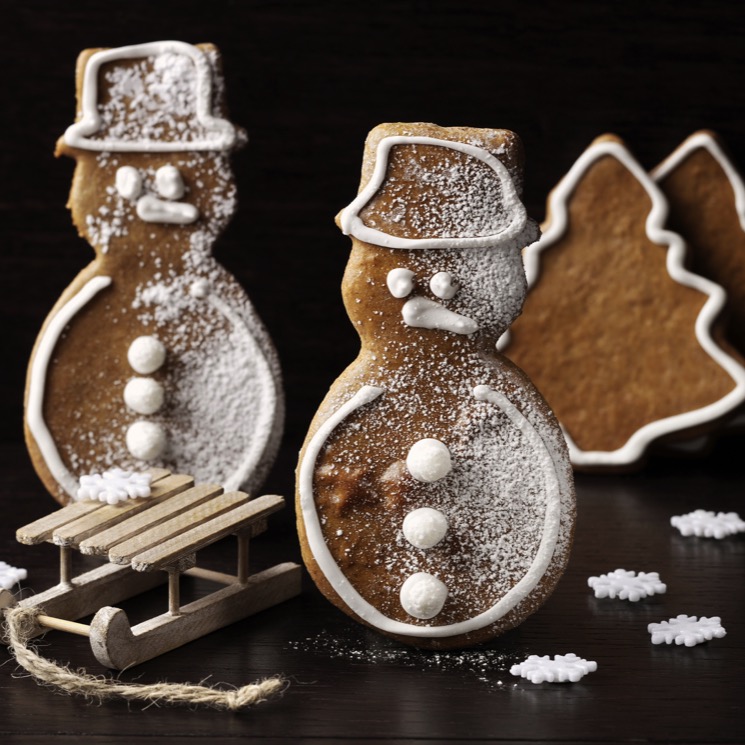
(308, 80)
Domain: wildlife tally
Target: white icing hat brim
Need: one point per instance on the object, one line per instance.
(220, 133)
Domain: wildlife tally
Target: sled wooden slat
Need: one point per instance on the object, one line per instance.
(41, 530)
(134, 527)
(109, 515)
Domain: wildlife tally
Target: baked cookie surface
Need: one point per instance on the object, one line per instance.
(435, 498)
(154, 355)
(616, 331)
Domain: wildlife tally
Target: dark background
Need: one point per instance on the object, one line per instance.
(308, 80)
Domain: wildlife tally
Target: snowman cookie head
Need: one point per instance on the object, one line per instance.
(438, 227)
(151, 144)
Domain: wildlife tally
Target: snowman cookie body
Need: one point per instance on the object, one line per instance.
(435, 498)
(153, 356)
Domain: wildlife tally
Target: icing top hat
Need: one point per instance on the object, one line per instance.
(155, 97)
(424, 191)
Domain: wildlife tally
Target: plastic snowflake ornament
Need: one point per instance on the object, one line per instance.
(114, 486)
(627, 585)
(9, 575)
(564, 668)
(706, 524)
(688, 630)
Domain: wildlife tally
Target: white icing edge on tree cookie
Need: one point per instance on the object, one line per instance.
(37, 381)
(351, 222)
(340, 584)
(637, 444)
(704, 141)
(222, 133)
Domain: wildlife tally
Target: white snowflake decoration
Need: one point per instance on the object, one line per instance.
(706, 524)
(114, 486)
(562, 669)
(627, 585)
(9, 575)
(687, 630)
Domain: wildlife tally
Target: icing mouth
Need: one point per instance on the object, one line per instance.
(421, 312)
(152, 209)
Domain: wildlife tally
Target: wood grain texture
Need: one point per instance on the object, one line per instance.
(234, 517)
(109, 515)
(140, 524)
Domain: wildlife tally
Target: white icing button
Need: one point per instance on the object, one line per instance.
(128, 182)
(200, 288)
(169, 183)
(144, 395)
(423, 595)
(429, 460)
(146, 440)
(400, 282)
(443, 285)
(146, 354)
(425, 527)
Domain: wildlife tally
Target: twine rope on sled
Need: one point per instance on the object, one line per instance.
(22, 627)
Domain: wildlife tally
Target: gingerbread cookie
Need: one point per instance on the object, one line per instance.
(616, 332)
(706, 195)
(153, 356)
(435, 497)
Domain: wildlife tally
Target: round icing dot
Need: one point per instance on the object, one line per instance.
(429, 460)
(128, 182)
(146, 354)
(400, 282)
(423, 595)
(143, 395)
(169, 183)
(443, 285)
(425, 527)
(146, 440)
(200, 288)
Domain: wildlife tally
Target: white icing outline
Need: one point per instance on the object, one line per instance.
(77, 135)
(351, 223)
(705, 141)
(256, 453)
(350, 596)
(37, 381)
(637, 444)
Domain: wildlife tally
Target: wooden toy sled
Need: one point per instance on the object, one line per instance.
(148, 542)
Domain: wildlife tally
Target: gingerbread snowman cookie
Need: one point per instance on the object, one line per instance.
(435, 497)
(154, 355)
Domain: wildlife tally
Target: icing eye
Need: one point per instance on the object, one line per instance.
(443, 285)
(168, 182)
(128, 182)
(400, 282)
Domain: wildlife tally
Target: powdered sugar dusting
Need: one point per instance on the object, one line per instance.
(152, 98)
(489, 666)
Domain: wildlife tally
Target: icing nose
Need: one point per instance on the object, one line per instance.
(152, 209)
(421, 312)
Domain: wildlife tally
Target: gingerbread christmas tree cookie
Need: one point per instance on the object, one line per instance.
(153, 356)
(435, 498)
(706, 195)
(616, 332)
